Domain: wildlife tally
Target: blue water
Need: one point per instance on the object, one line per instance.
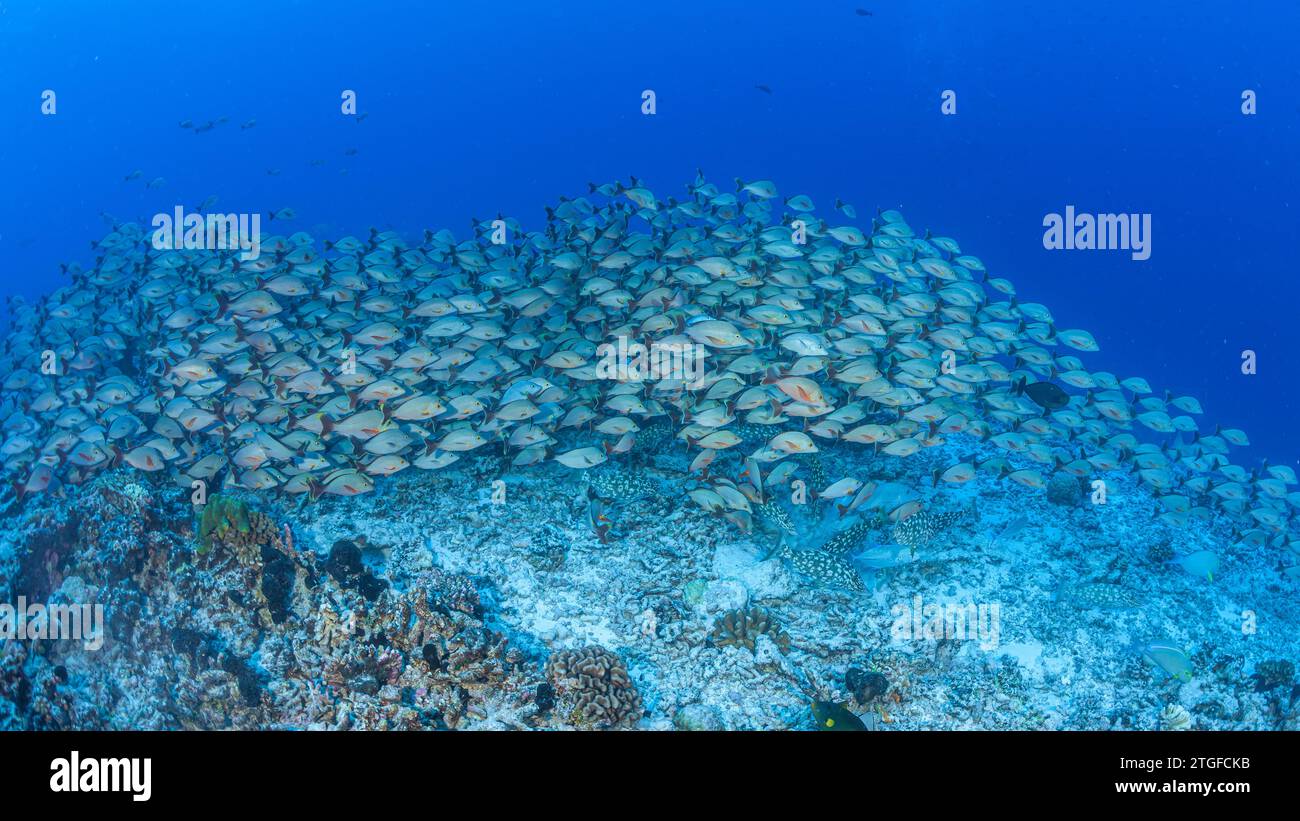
(475, 109)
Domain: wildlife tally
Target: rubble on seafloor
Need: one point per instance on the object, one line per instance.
(439, 602)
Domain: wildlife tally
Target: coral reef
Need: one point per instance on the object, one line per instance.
(432, 606)
(241, 631)
(741, 628)
(595, 687)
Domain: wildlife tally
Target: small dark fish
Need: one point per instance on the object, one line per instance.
(1045, 395)
(208, 126)
(187, 123)
(316, 163)
(763, 89)
(351, 152)
(274, 172)
(362, 116)
(835, 717)
(862, 13)
(247, 125)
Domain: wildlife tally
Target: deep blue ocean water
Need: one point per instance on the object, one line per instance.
(475, 109)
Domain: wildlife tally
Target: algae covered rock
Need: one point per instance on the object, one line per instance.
(865, 686)
(697, 717)
(1269, 675)
(723, 595)
(345, 565)
(693, 592)
(1063, 489)
(221, 516)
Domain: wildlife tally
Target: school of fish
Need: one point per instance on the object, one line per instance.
(318, 371)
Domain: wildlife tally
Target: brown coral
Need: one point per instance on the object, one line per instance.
(741, 628)
(246, 546)
(594, 684)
